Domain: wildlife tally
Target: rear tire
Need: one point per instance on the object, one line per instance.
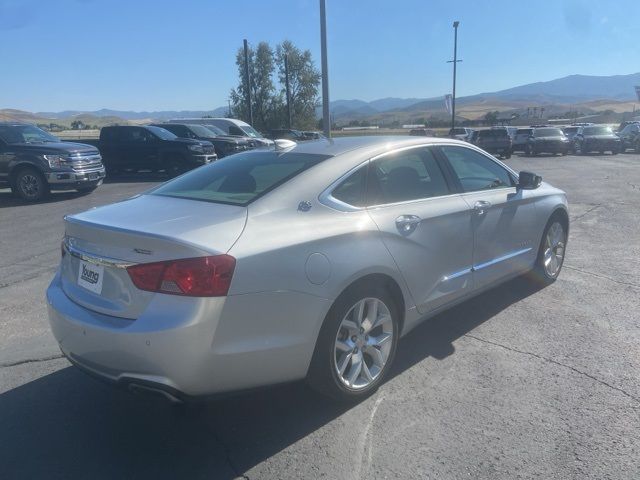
(30, 185)
(351, 358)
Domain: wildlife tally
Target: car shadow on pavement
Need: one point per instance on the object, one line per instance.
(67, 425)
(140, 177)
(8, 199)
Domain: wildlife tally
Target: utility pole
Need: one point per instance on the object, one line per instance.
(247, 80)
(455, 63)
(229, 108)
(326, 120)
(286, 81)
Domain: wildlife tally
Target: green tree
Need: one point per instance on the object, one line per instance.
(304, 80)
(77, 125)
(491, 117)
(264, 100)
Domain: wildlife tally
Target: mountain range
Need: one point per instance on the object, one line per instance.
(555, 94)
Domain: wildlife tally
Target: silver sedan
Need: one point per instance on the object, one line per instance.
(302, 262)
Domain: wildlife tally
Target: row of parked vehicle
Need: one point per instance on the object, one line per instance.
(580, 138)
(33, 162)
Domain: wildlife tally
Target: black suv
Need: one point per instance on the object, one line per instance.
(547, 140)
(495, 140)
(630, 137)
(596, 138)
(151, 148)
(34, 162)
(224, 144)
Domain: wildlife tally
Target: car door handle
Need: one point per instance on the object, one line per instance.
(481, 206)
(406, 224)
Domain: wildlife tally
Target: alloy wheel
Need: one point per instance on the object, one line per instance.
(554, 246)
(363, 343)
(29, 185)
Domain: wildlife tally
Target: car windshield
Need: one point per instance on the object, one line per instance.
(214, 129)
(250, 131)
(16, 134)
(163, 133)
(599, 130)
(548, 132)
(493, 133)
(201, 131)
(241, 179)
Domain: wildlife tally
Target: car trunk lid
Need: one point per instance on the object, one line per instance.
(102, 242)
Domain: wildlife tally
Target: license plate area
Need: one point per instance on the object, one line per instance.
(90, 276)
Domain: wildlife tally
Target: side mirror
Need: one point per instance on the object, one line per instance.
(528, 180)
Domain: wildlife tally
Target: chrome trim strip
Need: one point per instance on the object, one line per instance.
(501, 259)
(457, 274)
(474, 268)
(95, 259)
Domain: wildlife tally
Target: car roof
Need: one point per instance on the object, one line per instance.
(340, 145)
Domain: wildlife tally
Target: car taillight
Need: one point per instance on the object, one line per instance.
(194, 277)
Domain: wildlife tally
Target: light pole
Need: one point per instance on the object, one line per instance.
(286, 78)
(326, 120)
(455, 63)
(247, 80)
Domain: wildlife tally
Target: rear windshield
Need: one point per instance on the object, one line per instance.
(570, 130)
(240, 179)
(548, 132)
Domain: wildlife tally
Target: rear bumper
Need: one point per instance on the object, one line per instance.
(192, 347)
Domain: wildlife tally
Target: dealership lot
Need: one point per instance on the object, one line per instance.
(520, 382)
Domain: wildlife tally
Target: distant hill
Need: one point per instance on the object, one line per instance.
(575, 88)
(556, 96)
(130, 115)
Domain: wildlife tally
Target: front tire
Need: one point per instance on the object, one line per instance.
(356, 344)
(530, 151)
(30, 185)
(552, 250)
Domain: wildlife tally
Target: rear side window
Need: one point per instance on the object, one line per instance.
(241, 179)
(475, 171)
(351, 190)
(407, 175)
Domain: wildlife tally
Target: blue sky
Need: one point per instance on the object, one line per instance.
(157, 55)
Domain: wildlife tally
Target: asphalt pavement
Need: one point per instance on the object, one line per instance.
(520, 382)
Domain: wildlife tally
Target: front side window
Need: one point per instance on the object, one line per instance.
(403, 176)
(475, 171)
(239, 180)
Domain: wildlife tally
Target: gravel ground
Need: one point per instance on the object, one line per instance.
(519, 382)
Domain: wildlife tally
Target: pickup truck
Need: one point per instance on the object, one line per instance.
(495, 141)
(34, 162)
(135, 148)
(224, 144)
